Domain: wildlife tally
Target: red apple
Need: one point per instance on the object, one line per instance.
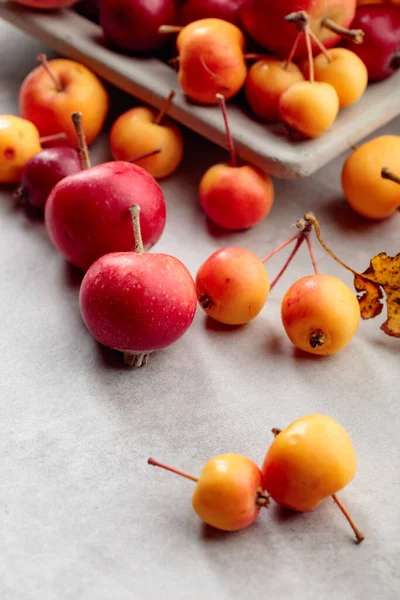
(194, 10)
(264, 20)
(57, 88)
(46, 4)
(87, 214)
(89, 9)
(380, 50)
(136, 302)
(132, 25)
(44, 170)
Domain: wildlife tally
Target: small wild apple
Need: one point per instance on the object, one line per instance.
(132, 25)
(136, 302)
(57, 88)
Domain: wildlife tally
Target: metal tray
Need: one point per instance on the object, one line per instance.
(150, 80)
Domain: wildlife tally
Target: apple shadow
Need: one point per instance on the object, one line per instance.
(213, 325)
(303, 356)
(218, 232)
(284, 515)
(73, 276)
(340, 212)
(111, 359)
(275, 344)
(209, 533)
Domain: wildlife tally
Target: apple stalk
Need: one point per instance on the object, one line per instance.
(83, 148)
(136, 359)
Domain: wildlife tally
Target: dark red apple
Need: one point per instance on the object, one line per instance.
(132, 25)
(264, 21)
(194, 10)
(87, 215)
(89, 9)
(380, 50)
(136, 302)
(44, 170)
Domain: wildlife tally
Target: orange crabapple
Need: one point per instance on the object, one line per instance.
(309, 107)
(232, 286)
(344, 71)
(235, 197)
(308, 461)
(266, 80)
(366, 191)
(320, 314)
(229, 493)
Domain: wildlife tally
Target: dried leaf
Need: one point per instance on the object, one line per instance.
(383, 273)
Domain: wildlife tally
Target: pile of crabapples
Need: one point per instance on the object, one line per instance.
(309, 461)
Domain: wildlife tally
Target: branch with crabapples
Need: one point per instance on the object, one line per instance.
(382, 275)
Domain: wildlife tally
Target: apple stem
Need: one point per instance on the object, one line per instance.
(145, 155)
(42, 58)
(388, 174)
(309, 54)
(302, 21)
(356, 35)
(136, 359)
(164, 108)
(312, 254)
(311, 218)
(320, 45)
(170, 29)
(359, 535)
(222, 104)
(135, 213)
(155, 463)
(83, 148)
(276, 431)
(56, 137)
(280, 247)
(293, 50)
(299, 242)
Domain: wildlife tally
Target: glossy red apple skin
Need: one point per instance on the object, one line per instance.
(132, 25)
(87, 215)
(44, 170)
(194, 10)
(137, 302)
(380, 50)
(264, 21)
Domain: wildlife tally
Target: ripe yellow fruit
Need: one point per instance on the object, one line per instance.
(19, 141)
(366, 191)
(309, 107)
(320, 314)
(345, 71)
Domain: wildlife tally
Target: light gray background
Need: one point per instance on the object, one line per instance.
(83, 516)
